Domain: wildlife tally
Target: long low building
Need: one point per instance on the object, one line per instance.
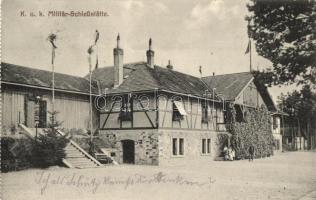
(148, 114)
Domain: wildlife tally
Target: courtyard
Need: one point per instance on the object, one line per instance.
(290, 175)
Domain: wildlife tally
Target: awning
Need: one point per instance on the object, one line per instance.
(180, 107)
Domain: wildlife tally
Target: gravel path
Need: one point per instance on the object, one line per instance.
(287, 176)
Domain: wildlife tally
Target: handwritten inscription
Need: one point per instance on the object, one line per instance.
(93, 183)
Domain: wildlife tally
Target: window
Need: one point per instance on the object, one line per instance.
(204, 112)
(178, 111)
(126, 109)
(174, 146)
(181, 147)
(203, 146)
(177, 146)
(274, 120)
(206, 146)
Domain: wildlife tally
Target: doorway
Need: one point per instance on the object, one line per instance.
(128, 147)
(36, 110)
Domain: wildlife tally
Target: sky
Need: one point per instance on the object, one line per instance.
(190, 33)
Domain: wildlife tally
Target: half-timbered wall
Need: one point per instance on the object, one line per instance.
(143, 110)
(144, 113)
(193, 119)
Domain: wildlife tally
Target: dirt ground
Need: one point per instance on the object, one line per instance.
(289, 175)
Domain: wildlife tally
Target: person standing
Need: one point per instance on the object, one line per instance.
(251, 151)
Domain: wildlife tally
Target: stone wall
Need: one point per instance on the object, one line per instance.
(192, 146)
(145, 141)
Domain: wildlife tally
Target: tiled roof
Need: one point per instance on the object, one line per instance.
(41, 78)
(229, 85)
(140, 77)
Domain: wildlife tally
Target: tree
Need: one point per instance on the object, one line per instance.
(49, 147)
(284, 32)
(301, 105)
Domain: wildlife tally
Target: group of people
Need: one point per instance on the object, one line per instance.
(229, 153)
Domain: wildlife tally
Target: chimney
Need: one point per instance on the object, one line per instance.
(150, 55)
(118, 63)
(169, 66)
(213, 73)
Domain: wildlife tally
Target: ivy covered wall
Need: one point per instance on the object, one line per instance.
(253, 130)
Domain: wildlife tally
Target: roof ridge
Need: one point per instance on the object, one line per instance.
(226, 74)
(178, 72)
(30, 68)
(129, 63)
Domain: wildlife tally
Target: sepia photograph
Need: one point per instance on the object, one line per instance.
(158, 100)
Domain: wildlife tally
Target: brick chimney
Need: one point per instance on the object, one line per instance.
(150, 55)
(169, 66)
(118, 63)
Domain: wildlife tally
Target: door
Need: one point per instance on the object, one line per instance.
(36, 111)
(128, 151)
(42, 114)
(30, 114)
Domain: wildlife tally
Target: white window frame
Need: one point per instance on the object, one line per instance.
(208, 145)
(177, 147)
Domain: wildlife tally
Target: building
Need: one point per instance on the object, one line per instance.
(27, 96)
(243, 91)
(148, 114)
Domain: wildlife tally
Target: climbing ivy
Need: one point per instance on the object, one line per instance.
(254, 130)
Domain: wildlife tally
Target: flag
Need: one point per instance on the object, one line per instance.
(248, 48)
(97, 34)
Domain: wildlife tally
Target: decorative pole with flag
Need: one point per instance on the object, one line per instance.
(97, 35)
(90, 51)
(248, 50)
(52, 38)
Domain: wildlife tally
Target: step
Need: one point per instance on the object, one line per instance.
(75, 156)
(77, 160)
(71, 148)
(75, 153)
(84, 165)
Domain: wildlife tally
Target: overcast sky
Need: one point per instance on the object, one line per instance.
(210, 33)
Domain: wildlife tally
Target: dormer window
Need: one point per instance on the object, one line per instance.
(126, 109)
(178, 111)
(204, 112)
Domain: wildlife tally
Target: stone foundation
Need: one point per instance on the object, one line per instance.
(192, 146)
(153, 147)
(145, 141)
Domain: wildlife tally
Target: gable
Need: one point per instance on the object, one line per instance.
(229, 86)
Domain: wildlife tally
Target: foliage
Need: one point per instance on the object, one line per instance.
(300, 104)
(301, 107)
(49, 150)
(254, 131)
(284, 32)
(16, 153)
(49, 147)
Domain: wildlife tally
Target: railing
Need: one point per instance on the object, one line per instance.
(223, 127)
(80, 149)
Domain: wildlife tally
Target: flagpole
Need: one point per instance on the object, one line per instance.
(52, 38)
(90, 97)
(250, 61)
(53, 86)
